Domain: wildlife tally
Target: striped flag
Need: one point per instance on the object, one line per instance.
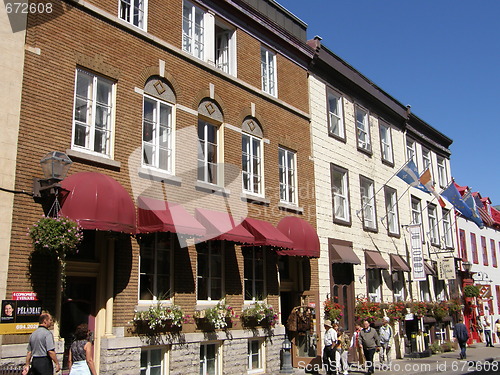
(483, 213)
(426, 180)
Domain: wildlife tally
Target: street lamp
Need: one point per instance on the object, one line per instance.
(467, 266)
(286, 367)
(55, 166)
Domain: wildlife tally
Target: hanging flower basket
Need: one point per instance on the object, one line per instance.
(259, 314)
(419, 308)
(471, 291)
(396, 310)
(366, 309)
(333, 310)
(440, 310)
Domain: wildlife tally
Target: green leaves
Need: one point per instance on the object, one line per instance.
(58, 236)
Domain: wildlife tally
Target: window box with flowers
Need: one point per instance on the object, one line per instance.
(218, 317)
(454, 306)
(333, 310)
(396, 311)
(259, 314)
(159, 318)
(365, 309)
(419, 308)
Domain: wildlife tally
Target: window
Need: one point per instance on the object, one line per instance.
(207, 152)
(335, 119)
(416, 212)
(398, 285)
(340, 197)
(485, 251)
(433, 225)
(93, 113)
(386, 143)
(425, 293)
(268, 70)
(209, 359)
(374, 284)
(251, 162)
(193, 30)
(391, 205)
(442, 176)
(426, 158)
(463, 244)
(493, 253)
(134, 12)
(155, 266)
(473, 246)
(287, 168)
(253, 263)
(411, 150)
(368, 203)
(255, 356)
(448, 232)
(157, 134)
(210, 270)
(363, 130)
(439, 289)
(151, 361)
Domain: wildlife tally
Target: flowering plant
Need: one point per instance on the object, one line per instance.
(396, 310)
(218, 316)
(366, 309)
(260, 312)
(57, 235)
(419, 308)
(440, 310)
(454, 306)
(333, 310)
(160, 316)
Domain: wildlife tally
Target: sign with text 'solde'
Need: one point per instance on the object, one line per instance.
(19, 316)
(446, 269)
(417, 253)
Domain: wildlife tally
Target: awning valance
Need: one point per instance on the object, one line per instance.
(343, 254)
(222, 226)
(266, 234)
(161, 216)
(398, 263)
(97, 201)
(429, 269)
(304, 237)
(374, 259)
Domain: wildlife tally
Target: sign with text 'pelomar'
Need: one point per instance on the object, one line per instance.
(417, 253)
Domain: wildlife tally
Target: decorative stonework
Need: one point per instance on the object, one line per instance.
(97, 64)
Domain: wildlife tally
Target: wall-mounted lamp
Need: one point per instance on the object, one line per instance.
(466, 266)
(55, 166)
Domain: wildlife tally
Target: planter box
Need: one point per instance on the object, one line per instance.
(141, 327)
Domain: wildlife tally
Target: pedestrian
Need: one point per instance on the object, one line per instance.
(42, 349)
(330, 341)
(385, 334)
(461, 335)
(487, 330)
(497, 328)
(80, 359)
(371, 344)
(356, 343)
(343, 351)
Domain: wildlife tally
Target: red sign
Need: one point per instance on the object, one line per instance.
(24, 296)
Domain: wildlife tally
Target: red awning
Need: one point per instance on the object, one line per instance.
(161, 216)
(266, 234)
(304, 237)
(222, 226)
(97, 201)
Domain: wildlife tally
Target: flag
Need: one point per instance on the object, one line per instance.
(471, 203)
(483, 212)
(409, 174)
(453, 196)
(426, 180)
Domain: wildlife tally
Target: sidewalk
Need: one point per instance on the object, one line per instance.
(442, 363)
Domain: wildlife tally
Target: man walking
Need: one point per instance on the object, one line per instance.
(461, 335)
(42, 349)
(371, 344)
(329, 352)
(385, 334)
(487, 330)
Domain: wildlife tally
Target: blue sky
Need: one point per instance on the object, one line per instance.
(440, 56)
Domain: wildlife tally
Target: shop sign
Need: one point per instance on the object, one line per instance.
(409, 316)
(24, 296)
(19, 316)
(417, 254)
(446, 269)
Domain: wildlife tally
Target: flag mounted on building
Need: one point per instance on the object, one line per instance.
(471, 203)
(483, 212)
(453, 196)
(409, 174)
(426, 180)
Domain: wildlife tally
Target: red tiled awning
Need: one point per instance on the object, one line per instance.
(161, 216)
(304, 237)
(97, 201)
(222, 226)
(374, 259)
(266, 234)
(398, 263)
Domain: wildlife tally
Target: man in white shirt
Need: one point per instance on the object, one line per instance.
(385, 335)
(330, 341)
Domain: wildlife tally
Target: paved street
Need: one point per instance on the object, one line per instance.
(480, 360)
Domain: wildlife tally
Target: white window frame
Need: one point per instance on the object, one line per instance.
(439, 289)
(426, 159)
(335, 115)
(154, 144)
(203, 155)
(148, 367)
(416, 210)
(287, 163)
(442, 175)
(203, 358)
(268, 71)
(386, 142)
(411, 150)
(156, 238)
(433, 224)
(398, 285)
(425, 292)
(363, 129)
(193, 30)
(251, 174)
(448, 232)
(141, 6)
(212, 256)
(225, 48)
(260, 355)
(368, 204)
(374, 284)
(340, 194)
(253, 278)
(91, 106)
(391, 206)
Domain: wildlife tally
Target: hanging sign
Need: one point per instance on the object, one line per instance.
(446, 269)
(417, 254)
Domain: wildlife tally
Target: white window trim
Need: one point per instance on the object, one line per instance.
(264, 265)
(339, 115)
(144, 15)
(429, 160)
(210, 301)
(365, 129)
(416, 212)
(448, 232)
(218, 355)
(442, 172)
(399, 295)
(232, 64)
(206, 26)
(252, 172)
(392, 210)
(262, 357)
(269, 78)
(165, 354)
(386, 144)
(369, 281)
(344, 195)
(411, 147)
(368, 201)
(219, 137)
(293, 184)
(433, 224)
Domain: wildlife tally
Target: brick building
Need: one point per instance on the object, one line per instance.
(183, 120)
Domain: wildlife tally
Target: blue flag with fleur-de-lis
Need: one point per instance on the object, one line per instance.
(409, 174)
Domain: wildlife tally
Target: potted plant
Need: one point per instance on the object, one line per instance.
(365, 309)
(259, 313)
(440, 310)
(159, 318)
(396, 310)
(217, 317)
(471, 291)
(333, 310)
(419, 308)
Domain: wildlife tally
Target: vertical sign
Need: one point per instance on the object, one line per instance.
(417, 254)
(446, 269)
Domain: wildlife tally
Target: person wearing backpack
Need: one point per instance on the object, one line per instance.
(461, 335)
